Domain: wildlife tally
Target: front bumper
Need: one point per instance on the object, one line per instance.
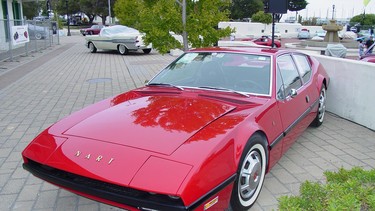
(109, 192)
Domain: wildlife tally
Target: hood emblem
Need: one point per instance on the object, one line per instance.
(98, 158)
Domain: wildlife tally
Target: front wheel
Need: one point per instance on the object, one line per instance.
(321, 108)
(251, 172)
(92, 47)
(38, 36)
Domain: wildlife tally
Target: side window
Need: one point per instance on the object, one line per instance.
(280, 91)
(104, 33)
(304, 67)
(289, 73)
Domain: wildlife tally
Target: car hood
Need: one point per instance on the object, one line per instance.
(154, 123)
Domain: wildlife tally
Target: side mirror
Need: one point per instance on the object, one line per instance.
(293, 93)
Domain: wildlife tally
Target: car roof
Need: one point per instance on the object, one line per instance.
(245, 49)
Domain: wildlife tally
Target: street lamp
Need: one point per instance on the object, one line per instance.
(67, 16)
(109, 12)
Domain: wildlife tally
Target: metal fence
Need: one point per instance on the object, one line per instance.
(42, 34)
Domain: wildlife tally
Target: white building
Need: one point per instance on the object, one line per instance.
(11, 15)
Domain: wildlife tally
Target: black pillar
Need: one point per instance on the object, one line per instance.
(67, 15)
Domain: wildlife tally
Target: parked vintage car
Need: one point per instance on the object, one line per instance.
(94, 29)
(264, 40)
(200, 135)
(118, 37)
(303, 34)
(37, 32)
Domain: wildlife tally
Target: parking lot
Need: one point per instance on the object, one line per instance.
(38, 90)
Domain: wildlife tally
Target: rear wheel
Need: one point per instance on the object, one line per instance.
(122, 49)
(92, 47)
(38, 36)
(321, 109)
(251, 172)
(147, 50)
(90, 33)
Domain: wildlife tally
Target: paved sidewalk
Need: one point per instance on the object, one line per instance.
(65, 78)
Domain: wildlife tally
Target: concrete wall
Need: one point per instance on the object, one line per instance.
(352, 89)
(247, 29)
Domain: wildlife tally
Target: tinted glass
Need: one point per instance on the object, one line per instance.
(240, 72)
(303, 66)
(289, 73)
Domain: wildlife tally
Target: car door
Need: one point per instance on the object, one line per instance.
(103, 41)
(304, 67)
(293, 100)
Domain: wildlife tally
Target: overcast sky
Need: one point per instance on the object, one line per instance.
(343, 8)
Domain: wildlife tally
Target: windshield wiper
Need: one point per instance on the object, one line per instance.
(164, 84)
(224, 89)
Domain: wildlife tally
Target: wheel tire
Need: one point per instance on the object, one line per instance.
(122, 49)
(147, 50)
(90, 32)
(38, 36)
(321, 108)
(251, 172)
(92, 47)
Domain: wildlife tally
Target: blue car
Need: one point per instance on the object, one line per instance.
(303, 34)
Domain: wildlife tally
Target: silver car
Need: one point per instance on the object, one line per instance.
(37, 32)
(118, 37)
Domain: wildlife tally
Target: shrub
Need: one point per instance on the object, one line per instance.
(344, 190)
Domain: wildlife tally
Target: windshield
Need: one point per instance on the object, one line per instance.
(244, 73)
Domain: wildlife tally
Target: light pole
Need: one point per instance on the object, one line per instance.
(67, 16)
(182, 3)
(333, 12)
(109, 12)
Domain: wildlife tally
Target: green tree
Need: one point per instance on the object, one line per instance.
(202, 22)
(60, 7)
(262, 17)
(129, 12)
(245, 8)
(159, 19)
(30, 9)
(364, 19)
(89, 8)
(297, 5)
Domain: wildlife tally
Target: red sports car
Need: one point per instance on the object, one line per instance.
(94, 29)
(200, 135)
(264, 40)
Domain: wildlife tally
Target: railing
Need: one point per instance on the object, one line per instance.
(42, 34)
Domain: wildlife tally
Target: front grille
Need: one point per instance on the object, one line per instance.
(108, 191)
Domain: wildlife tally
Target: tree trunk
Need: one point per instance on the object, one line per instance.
(103, 19)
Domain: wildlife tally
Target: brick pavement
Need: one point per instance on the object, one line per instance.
(74, 78)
